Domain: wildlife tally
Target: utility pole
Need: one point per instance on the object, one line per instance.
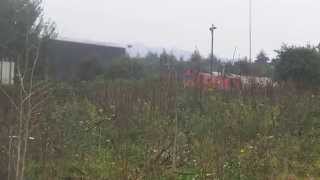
(250, 31)
(212, 29)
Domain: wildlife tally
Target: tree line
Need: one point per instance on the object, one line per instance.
(23, 25)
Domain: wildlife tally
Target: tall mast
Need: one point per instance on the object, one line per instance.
(212, 29)
(250, 31)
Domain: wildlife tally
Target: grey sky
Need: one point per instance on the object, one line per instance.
(184, 24)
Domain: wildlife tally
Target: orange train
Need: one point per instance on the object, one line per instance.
(207, 81)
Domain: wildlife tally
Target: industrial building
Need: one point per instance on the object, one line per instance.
(67, 60)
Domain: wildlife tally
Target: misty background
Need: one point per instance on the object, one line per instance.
(184, 24)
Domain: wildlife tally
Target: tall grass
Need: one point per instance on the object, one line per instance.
(155, 129)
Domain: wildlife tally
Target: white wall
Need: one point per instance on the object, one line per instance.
(6, 72)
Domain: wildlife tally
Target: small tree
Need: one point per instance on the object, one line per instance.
(196, 61)
(262, 58)
(164, 61)
(261, 66)
(22, 34)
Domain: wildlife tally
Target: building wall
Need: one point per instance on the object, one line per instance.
(6, 72)
(64, 57)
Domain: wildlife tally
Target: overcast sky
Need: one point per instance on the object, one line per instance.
(184, 24)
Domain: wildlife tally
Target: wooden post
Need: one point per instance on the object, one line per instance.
(1, 67)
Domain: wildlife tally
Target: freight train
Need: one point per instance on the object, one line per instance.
(219, 81)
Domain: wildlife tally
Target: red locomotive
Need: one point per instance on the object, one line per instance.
(212, 81)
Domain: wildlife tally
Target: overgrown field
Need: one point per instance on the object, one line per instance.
(158, 130)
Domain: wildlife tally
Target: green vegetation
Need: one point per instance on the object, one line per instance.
(151, 129)
(300, 65)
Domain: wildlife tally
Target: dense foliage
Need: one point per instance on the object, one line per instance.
(298, 64)
(17, 18)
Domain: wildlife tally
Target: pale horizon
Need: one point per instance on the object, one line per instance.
(185, 24)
